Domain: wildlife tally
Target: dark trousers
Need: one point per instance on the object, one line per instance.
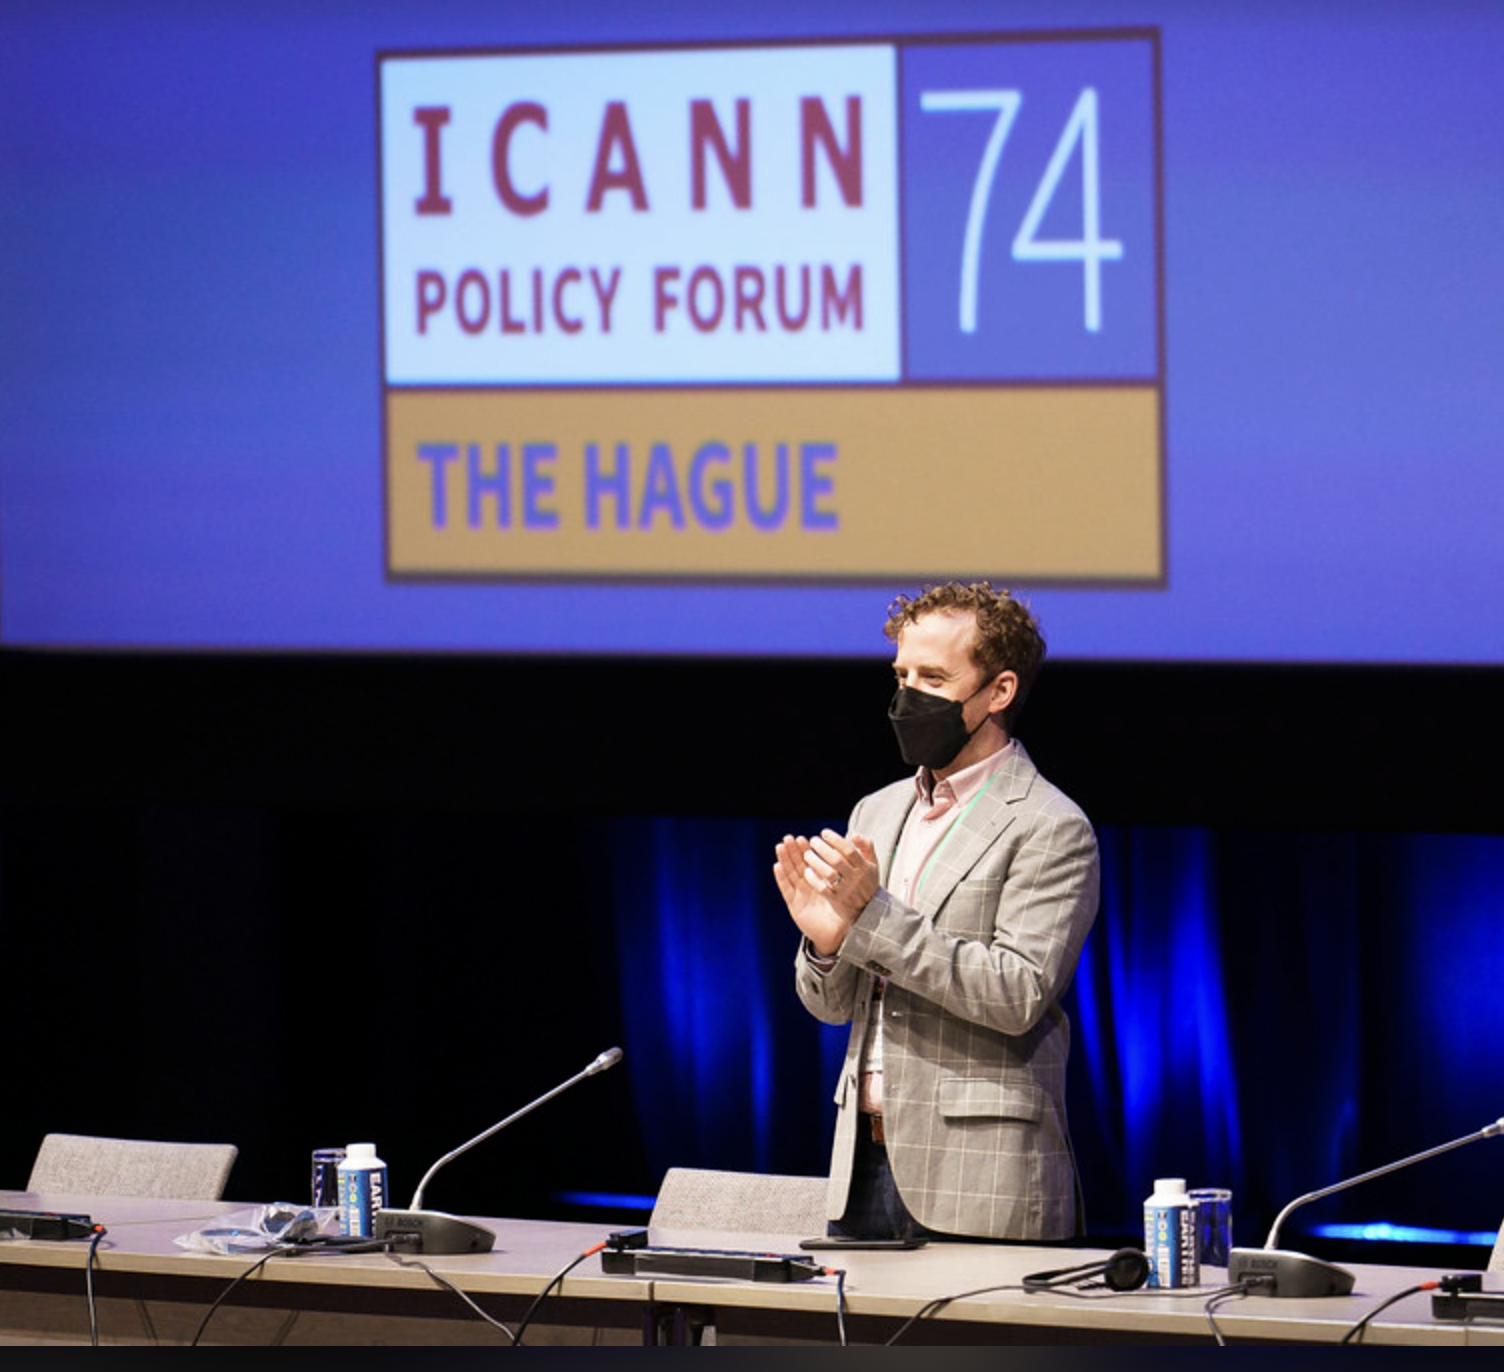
(874, 1209)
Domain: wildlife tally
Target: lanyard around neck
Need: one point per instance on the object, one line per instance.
(945, 838)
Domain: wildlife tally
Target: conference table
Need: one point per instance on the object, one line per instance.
(149, 1288)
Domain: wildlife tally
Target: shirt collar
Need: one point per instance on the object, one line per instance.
(962, 787)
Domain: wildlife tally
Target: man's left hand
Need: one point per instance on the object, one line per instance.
(844, 869)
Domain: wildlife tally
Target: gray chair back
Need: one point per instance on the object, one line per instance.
(85, 1165)
(752, 1202)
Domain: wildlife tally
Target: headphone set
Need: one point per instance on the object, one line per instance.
(1125, 1270)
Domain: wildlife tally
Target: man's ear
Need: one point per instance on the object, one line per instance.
(1004, 692)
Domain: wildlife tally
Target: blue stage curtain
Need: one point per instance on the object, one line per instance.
(728, 1069)
(1269, 1011)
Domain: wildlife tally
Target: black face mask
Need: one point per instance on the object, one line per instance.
(931, 729)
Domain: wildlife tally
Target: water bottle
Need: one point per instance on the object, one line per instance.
(1170, 1235)
(362, 1189)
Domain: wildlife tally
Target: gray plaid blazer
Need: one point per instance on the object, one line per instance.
(974, 1038)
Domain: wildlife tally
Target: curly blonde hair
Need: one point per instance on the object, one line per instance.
(1008, 638)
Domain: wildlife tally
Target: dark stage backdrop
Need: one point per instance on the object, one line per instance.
(292, 902)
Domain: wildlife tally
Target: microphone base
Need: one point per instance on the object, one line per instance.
(1283, 1273)
(432, 1231)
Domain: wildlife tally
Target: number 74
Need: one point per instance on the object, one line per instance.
(1090, 250)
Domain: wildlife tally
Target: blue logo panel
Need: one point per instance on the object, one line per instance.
(1030, 215)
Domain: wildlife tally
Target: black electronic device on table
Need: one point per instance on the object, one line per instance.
(837, 1243)
(745, 1265)
(1463, 1298)
(45, 1224)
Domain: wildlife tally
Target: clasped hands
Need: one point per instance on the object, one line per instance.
(826, 882)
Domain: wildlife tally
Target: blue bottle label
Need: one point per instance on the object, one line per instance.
(362, 1194)
(1170, 1245)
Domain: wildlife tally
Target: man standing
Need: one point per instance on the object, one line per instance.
(945, 928)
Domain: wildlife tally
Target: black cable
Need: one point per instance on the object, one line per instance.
(1355, 1334)
(1241, 1290)
(557, 1278)
(384, 1245)
(444, 1281)
(219, 1299)
(1099, 1291)
(99, 1232)
(940, 1302)
(349, 1246)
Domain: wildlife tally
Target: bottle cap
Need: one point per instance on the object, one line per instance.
(1169, 1189)
(368, 1150)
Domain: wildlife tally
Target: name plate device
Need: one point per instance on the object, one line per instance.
(44, 1224)
(708, 1262)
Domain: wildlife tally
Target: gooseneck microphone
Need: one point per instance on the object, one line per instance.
(432, 1231)
(1283, 1273)
(609, 1058)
